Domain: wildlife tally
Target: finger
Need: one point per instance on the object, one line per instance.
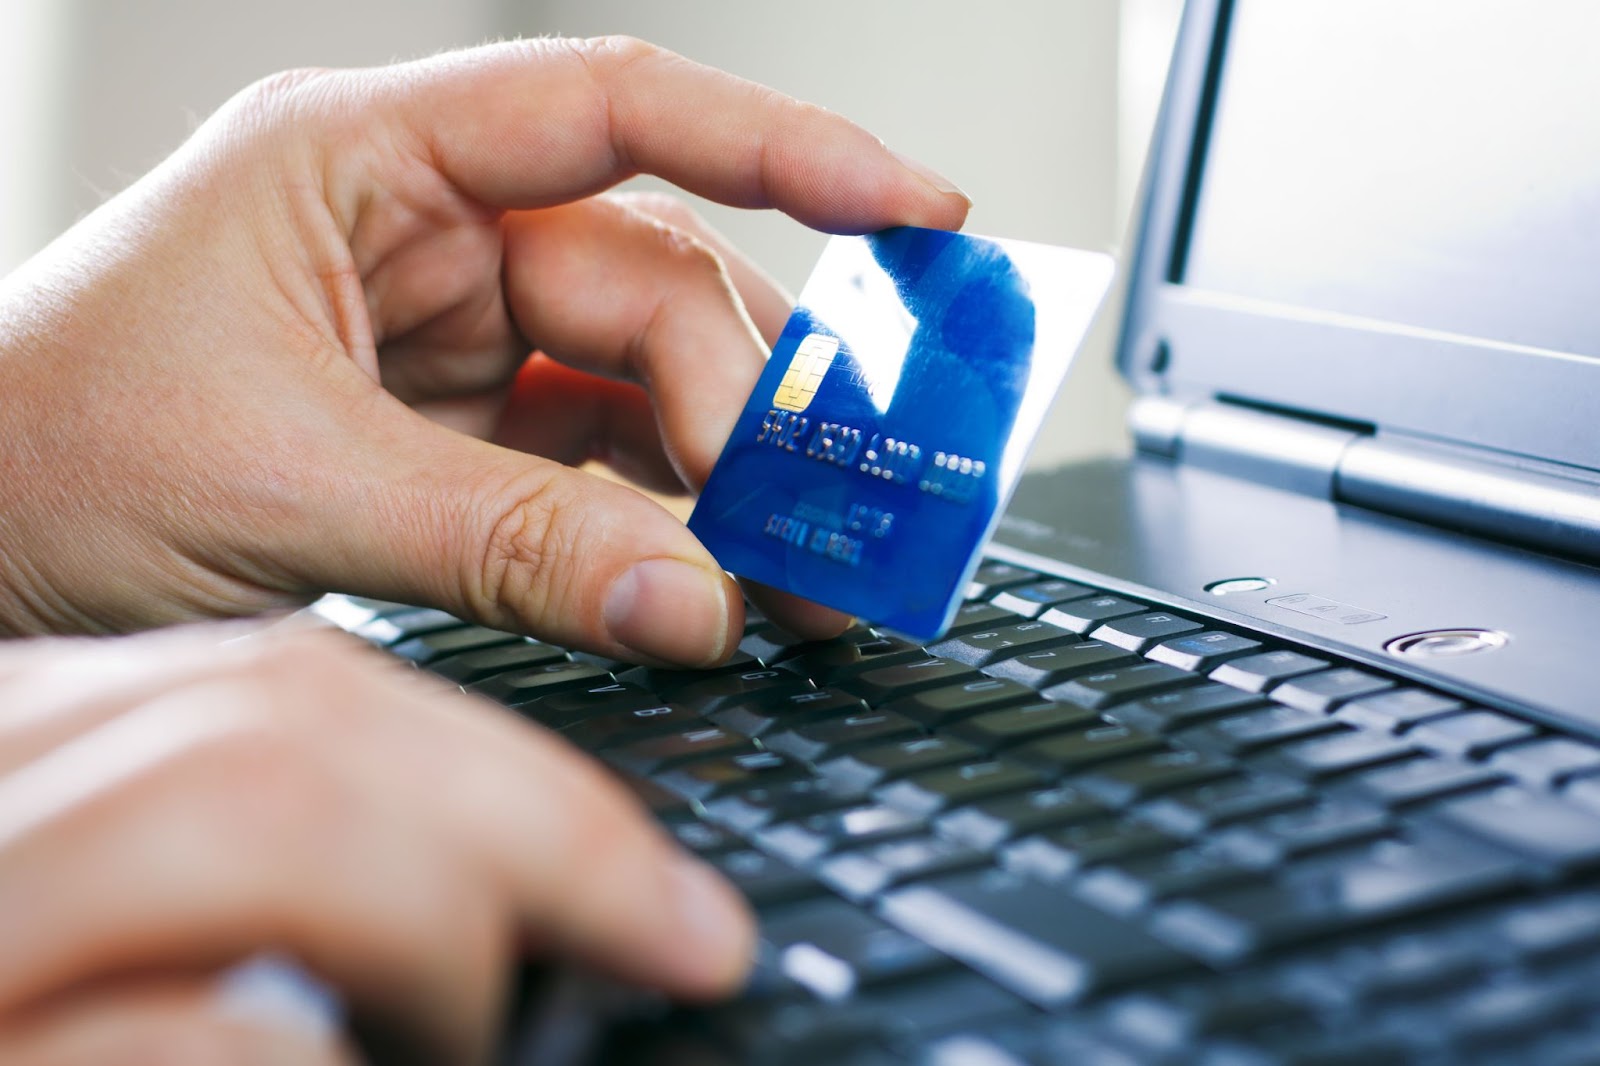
(165, 1020)
(534, 123)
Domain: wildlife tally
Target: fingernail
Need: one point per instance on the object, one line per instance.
(670, 610)
(932, 177)
(714, 918)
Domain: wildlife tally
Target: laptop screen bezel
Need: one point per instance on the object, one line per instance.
(1182, 340)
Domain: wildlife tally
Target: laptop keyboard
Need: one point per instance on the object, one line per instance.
(1083, 829)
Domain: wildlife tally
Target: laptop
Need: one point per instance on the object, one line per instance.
(1276, 742)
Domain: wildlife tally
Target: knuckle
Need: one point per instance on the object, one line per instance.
(614, 53)
(281, 94)
(526, 566)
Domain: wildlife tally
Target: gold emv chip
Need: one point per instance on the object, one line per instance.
(810, 361)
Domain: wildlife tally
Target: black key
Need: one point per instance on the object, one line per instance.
(525, 686)
(1276, 838)
(1038, 669)
(772, 644)
(765, 880)
(1534, 825)
(883, 762)
(1325, 691)
(710, 778)
(984, 646)
(1108, 687)
(471, 666)
(1397, 710)
(952, 786)
(1059, 853)
(747, 811)
(391, 628)
(1258, 673)
(1193, 811)
(1030, 600)
(624, 727)
(1416, 780)
(1138, 632)
(971, 617)
(992, 577)
(749, 687)
(1397, 968)
(862, 874)
(1069, 949)
(1202, 651)
(1185, 706)
(1547, 762)
(1389, 880)
(704, 839)
(838, 659)
(1068, 752)
(430, 647)
(665, 680)
(1513, 1011)
(1471, 735)
(1000, 729)
(1183, 1017)
(664, 806)
(885, 683)
(564, 707)
(833, 948)
(675, 749)
(1124, 783)
(817, 741)
(1082, 615)
(1335, 753)
(772, 710)
(1251, 730)
(940, 706)
(990, 823)
(805, 840)
(1135, 884)
(1552, 929)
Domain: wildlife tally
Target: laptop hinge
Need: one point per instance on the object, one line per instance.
(1242, 442)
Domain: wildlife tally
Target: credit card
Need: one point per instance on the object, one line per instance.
(875, 456)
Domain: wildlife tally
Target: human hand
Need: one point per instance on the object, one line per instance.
(261, 372)
(169, 806)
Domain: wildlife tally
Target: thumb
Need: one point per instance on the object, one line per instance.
(421, 514)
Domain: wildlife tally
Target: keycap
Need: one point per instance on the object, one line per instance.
(1082, 615)
(772, 644)
(1553, 928)
(763, 879)
(1192, 811)
(1389, 880)
(781, 710)
(747, 811)
(525, 686)
(1134, 884)
(1397, 710)
(876, 763)
(1236, 734)
(838, 659)
(866, 872)
(951, 786)
(988, 823)
(1334, 753)
(1512, 1010)
(816, 741)
(666, 680)
(1039, 669)
(702, 838)
(1167, 711)
(467, 667)
(1534, 825)
(706, 779)
(391, 628)
(748, 687)
(430, 647)
(664, 806)
(1030, 600)
(1417, 780)
(971, 617)
(805, 840)
(602, 731)
(1258, 673)
(991, 577)
(1325, 691)
(1138, 632)
(1107, 687)
(833, 948)
(1068, 752)
(1202, 651)
(1031, 938)
(938, 707)
(1470, 735)
(984, 646)
(1275, 838)
(1401, 967)
(674, 749)
(1548, 761)
(1059, 853)
(1184, 1016)
(1129, 781)
(1001, 729)
(565, 706)
(885, 683)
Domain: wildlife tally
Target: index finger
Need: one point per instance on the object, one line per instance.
(533, 123)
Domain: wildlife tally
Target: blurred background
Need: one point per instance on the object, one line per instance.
(1040, 109)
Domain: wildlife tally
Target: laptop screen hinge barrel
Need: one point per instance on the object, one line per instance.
(1242, 442)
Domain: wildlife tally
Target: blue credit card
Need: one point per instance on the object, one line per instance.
(873, 460)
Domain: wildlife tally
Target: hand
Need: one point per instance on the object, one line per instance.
(169, 806)
(260, 372)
